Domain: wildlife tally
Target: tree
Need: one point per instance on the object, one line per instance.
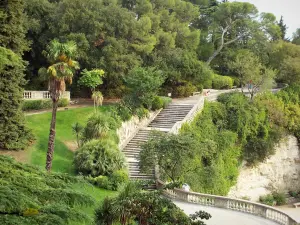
(252, 73)
(144, 208)
(296, 37)
(12, 26)
(77, 129)
(13, 133)
(62, 69)
(283, 28)
(175, 155)
(232, 22)
(92, 79)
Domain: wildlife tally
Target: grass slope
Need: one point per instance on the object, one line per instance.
(63, 157)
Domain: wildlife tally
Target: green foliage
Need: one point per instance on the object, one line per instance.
(92, 78)
(99, 157)
(186, 89)
(267, 199)
(174, 154)
(166, 101)
(112, 182)
(137, 207)
(30, 196)
(43, 104)
(273, 199)
(222, 82)
(143, 85)
(13, 133)
(13, 27)
(123, 112)
(157, 103)
(101, 125)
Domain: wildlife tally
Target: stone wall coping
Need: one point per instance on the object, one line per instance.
(234, 204)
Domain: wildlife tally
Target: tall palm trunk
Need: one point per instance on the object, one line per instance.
(51, 141)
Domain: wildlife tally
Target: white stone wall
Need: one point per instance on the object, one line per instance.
(130, 128)
(280, 172)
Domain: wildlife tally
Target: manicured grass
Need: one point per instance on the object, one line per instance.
(63, 157)
(97, 193)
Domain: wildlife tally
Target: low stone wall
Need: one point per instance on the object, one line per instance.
(239, 205)
(129, 128)
(39, 95)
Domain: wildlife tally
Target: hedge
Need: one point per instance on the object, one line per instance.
(222, 82)
(43, 104)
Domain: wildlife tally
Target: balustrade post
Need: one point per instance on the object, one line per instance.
(221, 203)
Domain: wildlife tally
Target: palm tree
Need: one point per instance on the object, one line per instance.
(62, 69)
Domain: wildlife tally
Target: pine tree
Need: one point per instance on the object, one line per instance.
(12, 26)
(283, 28)
(13, 133)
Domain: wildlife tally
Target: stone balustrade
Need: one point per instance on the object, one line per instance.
(190, 116)
(244, 206)
(39, 95)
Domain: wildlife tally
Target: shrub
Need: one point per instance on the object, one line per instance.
(100, 125)
(63, 102)
(207, 84)
(166, 101)
(267, 199)
(102, 182)
(222, 82)
(43, 104)
(157, 103)
(123, 112)
(185, 90)
(142, 112)
(199, 87)
(99, 157)
(118, 178)
(279, 198)
(143, 85)
(112, 182)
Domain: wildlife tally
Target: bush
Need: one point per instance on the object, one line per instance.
(142, 112)
(100, 125)
(118, 178)
(184, 90)
(166, 101)
(222, 82)
(123, 112)
(279, 198)
(199, 87)
(267, 200)
(157, 103)
(63, 102)
(143, 85)
(43, 104)
(207, 84)
(112, 182)
(99, 157)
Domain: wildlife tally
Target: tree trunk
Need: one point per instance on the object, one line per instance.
(215, 54)
(51, 141)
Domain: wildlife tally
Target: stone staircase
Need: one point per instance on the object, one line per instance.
(164, 121)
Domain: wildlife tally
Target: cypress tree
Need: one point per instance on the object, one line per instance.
(13, 133)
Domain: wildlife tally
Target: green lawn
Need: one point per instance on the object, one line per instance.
(63, 157)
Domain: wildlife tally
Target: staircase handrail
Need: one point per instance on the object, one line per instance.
(239, 205)
(189, 117)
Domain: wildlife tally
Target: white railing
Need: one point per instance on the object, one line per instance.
(189, 117)
(239, 205)
(38, 95)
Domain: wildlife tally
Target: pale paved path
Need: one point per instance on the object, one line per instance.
(291, 211)
(223, 216)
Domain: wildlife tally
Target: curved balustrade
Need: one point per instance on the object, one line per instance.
(229, 203)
